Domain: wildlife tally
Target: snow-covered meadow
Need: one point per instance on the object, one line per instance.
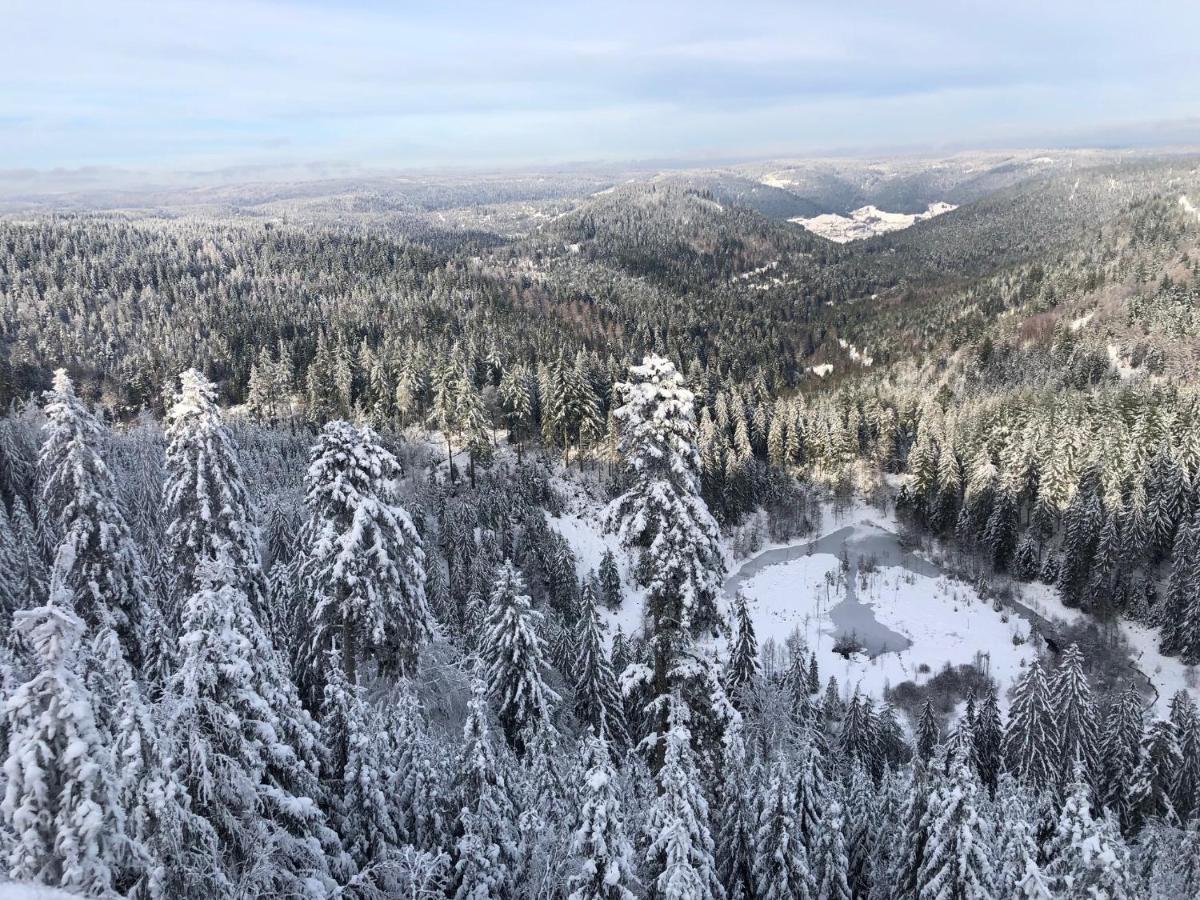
(924, 618)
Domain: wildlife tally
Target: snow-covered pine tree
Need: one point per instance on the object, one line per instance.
(861, 811)
(1159, 762)
(515, 658)
(1016, 856)
(360, 755)
(929, 734)
(1185, 791)
(473, 422)
(894, 749)
(1124, 727)
(364, 564)
(229, 738)
(97, 570)
(1081, 531)
(1031, 739)
(742, 671)
(206, 506)
(1076, 718)
(782, 870)
(988, 738)
(611, 592)
(831, 863)
(738, 817)
(485, 856)
(603, 854)
(957, 862)
(597, 698)
(858, 741)
(1087, 858)
(679, 859)
(663, 515)
(1180, 618)
(915, 822)
(61, 804)
(812, 793)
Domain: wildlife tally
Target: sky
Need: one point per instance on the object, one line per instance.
(172, 84)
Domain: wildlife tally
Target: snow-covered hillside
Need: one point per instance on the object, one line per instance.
(867, 221)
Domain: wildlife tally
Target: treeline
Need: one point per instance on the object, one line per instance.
(194, 707)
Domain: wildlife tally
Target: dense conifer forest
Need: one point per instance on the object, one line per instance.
(386, 540)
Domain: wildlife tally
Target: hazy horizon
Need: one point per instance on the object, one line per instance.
(203, 87)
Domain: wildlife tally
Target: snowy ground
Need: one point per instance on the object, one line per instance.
(943, 619)
(905, 597)
(1168, 674)
(866, 222)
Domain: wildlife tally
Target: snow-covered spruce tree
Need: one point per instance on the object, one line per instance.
(1016, 854)
(957, 863)
(485, 854)
(364, 565)
(988, 738)
(206, 506)
(1159, 763)
(174, 851)
(861, 815)
(61, 803)
(1031, 739)
(360, 754)
(604, 857)
(928, 731)
(782, 870)
(738, 818)
(1087, 858)
(1076, 717)
(812, 793)
(679, 859)
(1181, 616)
(1185, 791)
(915, 824)
(743, 667)
(597, 699)
(515, 658)
(1124, 727)
(611, 592)
(663, 515)
(475, 427)
(858, 741)
(97, 570)
(229, 737)
(831, 861)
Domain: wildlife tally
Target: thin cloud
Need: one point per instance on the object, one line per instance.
(134, 83)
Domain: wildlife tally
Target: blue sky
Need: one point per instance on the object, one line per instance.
(175, 84)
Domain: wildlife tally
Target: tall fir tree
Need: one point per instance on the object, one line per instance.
(663, 515)
(742, 671)
(1076, 718)
(1031, 739)
(781, 864)
(597, 699)
(206, 506)
(603, 854)
(60, 803)
(364, 563)
(97, 569)
(957, 863)
(679, 858)
(515, 658)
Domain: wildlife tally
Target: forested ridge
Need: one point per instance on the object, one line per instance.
(286, 611)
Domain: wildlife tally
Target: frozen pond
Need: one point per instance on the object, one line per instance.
(853, 619)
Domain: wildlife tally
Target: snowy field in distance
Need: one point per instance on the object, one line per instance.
(867, 221)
